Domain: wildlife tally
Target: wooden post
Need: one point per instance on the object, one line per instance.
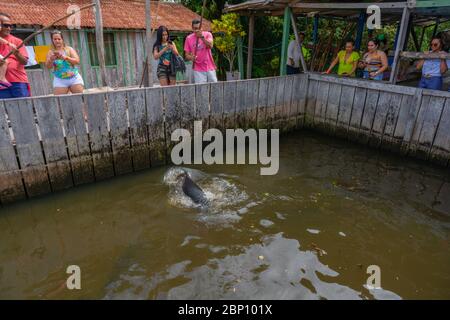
(360, 30)
(297, 38)
(316, 29)
(240, 57)
(400, 44)
(148, 45)
(100, 42)
(251, 31)
(285, 41)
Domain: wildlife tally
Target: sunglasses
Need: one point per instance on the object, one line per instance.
(7, 25)
(434, 44)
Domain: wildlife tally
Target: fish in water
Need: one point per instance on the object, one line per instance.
(192, 190)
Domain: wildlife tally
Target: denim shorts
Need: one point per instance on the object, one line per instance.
(379, 77)
(434, 83)
(17, 90)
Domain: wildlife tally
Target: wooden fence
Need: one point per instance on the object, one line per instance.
(53, 143)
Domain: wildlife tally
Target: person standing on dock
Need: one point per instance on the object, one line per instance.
(347, 59)
(204, 68)
(16, 76)
(374, 62)
(293, 63)
(163, 49)
(63, 60)
(433, 69)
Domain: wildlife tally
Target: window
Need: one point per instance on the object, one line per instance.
(22, 34)
(110, 49)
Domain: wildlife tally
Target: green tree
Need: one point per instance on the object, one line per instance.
(228, 28)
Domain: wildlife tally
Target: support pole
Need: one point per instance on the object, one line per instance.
(297, 38)
(360, 30)
(251, 31)
(148, 45)
(240, 57)
(285, 42)
(400, 43)
(100, 42)
(316, 29)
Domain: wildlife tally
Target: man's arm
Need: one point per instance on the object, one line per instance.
(21, 57)
(208, 40)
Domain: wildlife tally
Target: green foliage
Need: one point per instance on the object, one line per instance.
(229, 29)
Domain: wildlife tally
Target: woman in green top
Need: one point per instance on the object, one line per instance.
(347, 59)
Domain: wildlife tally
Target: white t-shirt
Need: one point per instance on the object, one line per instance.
(294, 53)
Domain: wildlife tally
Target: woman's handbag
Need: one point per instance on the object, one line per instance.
(177, 64)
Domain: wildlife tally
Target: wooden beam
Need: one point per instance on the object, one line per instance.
(297, 38)
(425, 56)
(359, 5)
(285, 41)
(100, 42)
(251, 31)
(148, 44)
(400, 43)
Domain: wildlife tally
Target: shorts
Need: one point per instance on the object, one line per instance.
(164, 72)
(378, 77)
(291, 70)
(17, 90)
(205, 76)
(434, 83)
(67, 83)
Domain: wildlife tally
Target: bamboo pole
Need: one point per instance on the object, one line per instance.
(148, 45)
(251, 32)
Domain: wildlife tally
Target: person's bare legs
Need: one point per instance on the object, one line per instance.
(77, 88)
(163, 82)
(172, 81)
(59, 91)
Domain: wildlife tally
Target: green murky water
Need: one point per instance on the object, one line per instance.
(309, 232)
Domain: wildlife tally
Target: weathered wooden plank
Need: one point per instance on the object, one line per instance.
(216, 119)
(120, 140)
(287, 124)
(202, 104)
(333, 101)
(357, 112)
(271, 101)
(345, 110)
(373, 85)
(321, 105)
(50, 127)
(440, 151)
(277, 116)
(388, 140)
(138, 56)
(262, 103)
(430, 122)
(11, 186)
(188, 105)
(77, 138)
(380, 118)
(31, 159)
(99, 136)
(241, 101)
(173, 113)
(155, 123)
(229, 104)
(407, 120)
(84, 54)
(370, 108)
(252, 103)
(311, 102)
(301, 98)
(137, 112)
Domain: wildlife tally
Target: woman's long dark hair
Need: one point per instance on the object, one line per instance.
(159, 36)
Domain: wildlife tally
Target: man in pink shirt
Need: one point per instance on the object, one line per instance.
(204, 68)
(15, 73)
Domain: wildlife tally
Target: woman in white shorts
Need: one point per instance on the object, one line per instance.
(63, 60)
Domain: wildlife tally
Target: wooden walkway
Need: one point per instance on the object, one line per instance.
(53, 143)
